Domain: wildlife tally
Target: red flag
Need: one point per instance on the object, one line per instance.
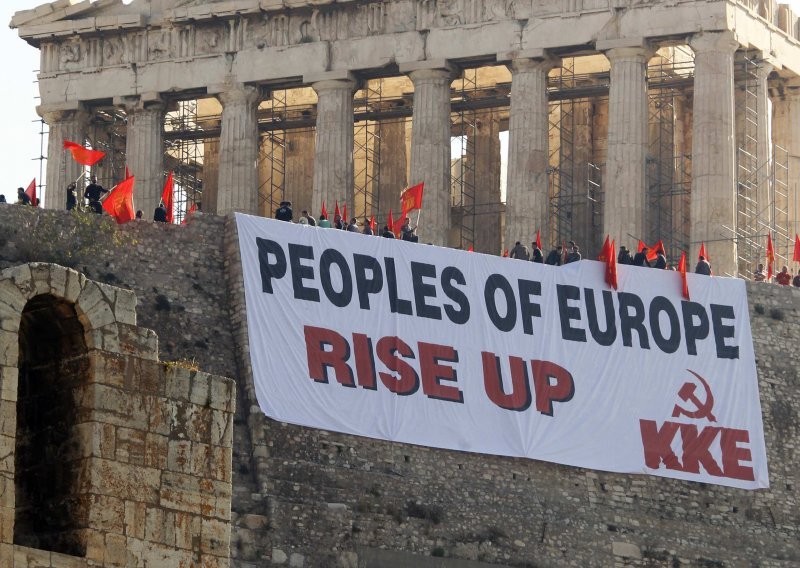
(344, 214)
(796, 255)
(390, 221)
(119, 203)
(336, 212)
(324, 212)
(82, 155)
(191, 210)
(411, 198)
(372, 222)
(166, 197)
(703, 252)
(31, 192)
(770, 256)
(652, 252)
(400, 222)
(611, 265)
(603, 256)
(682, 270)
(538, 240)
(127, 172)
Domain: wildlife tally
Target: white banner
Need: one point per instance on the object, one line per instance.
(451, 349)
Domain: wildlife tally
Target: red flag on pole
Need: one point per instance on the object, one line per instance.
(323, 212)
(682, 270)
(796, 255)
(82, 155)
(390, 221)
(703, 252)
(336, 212)
(191, 210)
(344, 214)
(603, 256)
(770, 256)
(411, 198)
(166, 197)
(372, 222)
(31, 193)
(652, 253)
(611, 265)
(538, 240)
(119, 203)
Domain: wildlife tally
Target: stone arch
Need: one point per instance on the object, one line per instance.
(49, 316)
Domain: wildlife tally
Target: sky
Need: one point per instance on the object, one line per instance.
(21, 142)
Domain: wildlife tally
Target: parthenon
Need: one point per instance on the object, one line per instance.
(641, 119)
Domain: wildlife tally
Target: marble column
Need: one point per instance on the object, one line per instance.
(488, 226)
(238, 151)
(713, 207)
(61, 168)
(333, 149)
(299, 170)
(210, 171)
(393, 167)
(144, 152)
(430, 150)
(625, 179)
(786, 134)
(527, 200)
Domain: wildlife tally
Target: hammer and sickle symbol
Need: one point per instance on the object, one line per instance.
(687, 394)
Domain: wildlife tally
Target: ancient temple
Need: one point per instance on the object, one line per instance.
(642, 119)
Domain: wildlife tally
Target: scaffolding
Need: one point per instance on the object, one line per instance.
(367, 147)
(107, 133)
(464, 129)
(272, 154)
(779, 202)
(562, 129)
(668, 182)
(184, 157)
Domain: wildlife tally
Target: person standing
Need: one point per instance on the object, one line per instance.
(352, 226)
(574, 255)
(284, 212)
(367, 227)
(309, 218)
(624, 256)
(784, 277)
(323, 222)
(759, 275)
(536, 253)
(519, 252)
(554, 256)
(160, 214)
(22, 197)
(640, 259)
(703, 267)
(94, 191)
(661, 260)
(387, 233)
(72, 196)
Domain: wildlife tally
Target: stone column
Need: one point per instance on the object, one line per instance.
(488, 227)
(430, 149)
(144, 151)
(210, 172)
(237, 189)
(61, 168)
(333, 150)
(527, 200)
(393, 167)
(298, 176)
(786, 134)
(625, 179)
(714, 151)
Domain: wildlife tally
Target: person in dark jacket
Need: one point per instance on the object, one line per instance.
(309, 218)
(703, 267)
(160, 214)
(94, 191)
(661, 260)
(387, 233)
(536, 254)
(72, 196)
(640, 259)
(353, 225)
(284, 212)
(367, 227)
(624, 256)
(22, 197)
(555, 256)
(574, 255)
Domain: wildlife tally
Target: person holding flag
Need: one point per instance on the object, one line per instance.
(369, 225)
(119, 203)
(22, 197)
(31, 193)
(94, 191)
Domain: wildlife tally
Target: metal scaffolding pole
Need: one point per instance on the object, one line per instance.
(464, 128)
(367, 150)
(272, 155)
(184, 157)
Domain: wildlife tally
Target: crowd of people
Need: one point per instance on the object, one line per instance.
(285, 213)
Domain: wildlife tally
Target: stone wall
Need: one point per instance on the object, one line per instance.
(304, 497)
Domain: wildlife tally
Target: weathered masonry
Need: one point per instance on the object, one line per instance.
(107, 456)
(639, 118)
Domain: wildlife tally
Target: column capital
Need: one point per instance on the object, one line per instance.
(429, 69)
(527, 64)
(714, 42)
(615, 54)
(786, 88)
(332, 80)
(63, 111)
(146, 101)
(237, 93)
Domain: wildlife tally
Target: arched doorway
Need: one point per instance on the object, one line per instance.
(53, 370)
